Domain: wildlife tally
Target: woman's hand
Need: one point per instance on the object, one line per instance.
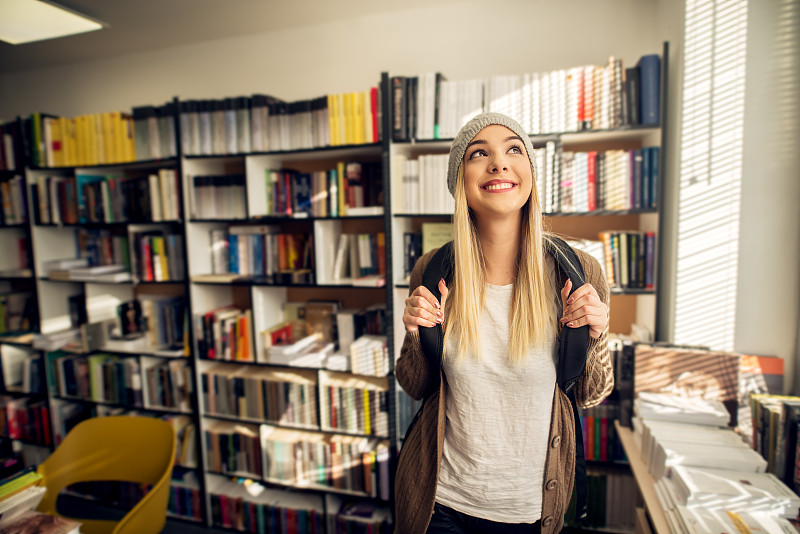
(584, 307)
(422, 308)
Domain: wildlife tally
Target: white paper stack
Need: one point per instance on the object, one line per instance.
(699, 521)
(664, 407)
(670, 453)
(305, 352)
(651, 431)
(722, 489)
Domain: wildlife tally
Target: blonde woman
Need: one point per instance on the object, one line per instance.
(493, 448)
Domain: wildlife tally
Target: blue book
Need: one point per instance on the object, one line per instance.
(650, 94)
(302, 193)
(645, 178)
(233, 253)
(655, 157)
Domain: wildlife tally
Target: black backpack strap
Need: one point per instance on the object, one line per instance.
(432, 338)
(574, 341)
(572, 349)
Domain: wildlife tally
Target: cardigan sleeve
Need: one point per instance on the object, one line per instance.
(412, 369)
(597, 380)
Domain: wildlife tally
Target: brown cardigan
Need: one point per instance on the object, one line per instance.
(418, 463)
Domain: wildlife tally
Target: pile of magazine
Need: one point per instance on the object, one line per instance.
(691, 454)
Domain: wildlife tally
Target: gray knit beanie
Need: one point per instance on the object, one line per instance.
(470, 130)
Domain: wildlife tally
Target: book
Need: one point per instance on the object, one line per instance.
(31, 521)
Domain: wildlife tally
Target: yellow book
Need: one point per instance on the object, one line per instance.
(81, 141)
(349, 114)
(99, 147)
(117, 131)
(66, 141)
(341, 119)
(341, 189)
(367, 420)
(108, 139)
(333, 125)
(57, 142)
(358, 114)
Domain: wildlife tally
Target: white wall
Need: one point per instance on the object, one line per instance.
(462, 40)
(769, 235)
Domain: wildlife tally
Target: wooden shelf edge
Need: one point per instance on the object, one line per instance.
(644, 480)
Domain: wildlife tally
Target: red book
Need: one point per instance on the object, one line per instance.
(373, 96)
(592, 180)
(147, 259)
(589, 438)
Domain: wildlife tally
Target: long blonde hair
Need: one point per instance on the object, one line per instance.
(531, 305)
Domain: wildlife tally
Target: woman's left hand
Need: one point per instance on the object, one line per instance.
(583, 307)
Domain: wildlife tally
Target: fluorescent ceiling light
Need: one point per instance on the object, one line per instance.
(25, 21)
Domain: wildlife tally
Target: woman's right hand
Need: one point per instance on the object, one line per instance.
(422, 308)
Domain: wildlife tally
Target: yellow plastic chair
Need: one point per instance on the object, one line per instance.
(117, 448)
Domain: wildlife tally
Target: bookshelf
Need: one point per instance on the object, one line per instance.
(249, 238)
(646, 482)
(25, 429)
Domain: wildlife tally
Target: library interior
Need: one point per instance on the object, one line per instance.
(210, 218)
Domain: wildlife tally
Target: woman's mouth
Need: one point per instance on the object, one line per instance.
(498, 186)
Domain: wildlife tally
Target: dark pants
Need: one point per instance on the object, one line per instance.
(448, 521)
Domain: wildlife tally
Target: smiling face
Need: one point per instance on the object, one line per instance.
(497, 172)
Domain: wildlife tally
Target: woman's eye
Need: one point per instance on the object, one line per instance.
(515, 150)
(476, 154)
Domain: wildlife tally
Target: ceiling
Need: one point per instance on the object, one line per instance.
(143, 25)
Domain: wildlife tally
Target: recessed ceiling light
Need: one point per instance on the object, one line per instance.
(26, 21)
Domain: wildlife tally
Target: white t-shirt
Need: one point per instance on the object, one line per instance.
(498, 422)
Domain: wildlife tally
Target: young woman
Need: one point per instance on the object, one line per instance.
(493, 449)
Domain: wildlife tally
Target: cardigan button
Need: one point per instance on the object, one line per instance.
(547, 521)
(556, 442)
(553, 484)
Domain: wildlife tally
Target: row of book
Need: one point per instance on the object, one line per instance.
(308, 459)
(350, 188)
(13, 203)
(360, 259)
(154, 132)
(170, 385)
(247, 506)
(121, 380)
(776, 420)
(19, 312)
(159, 256)
(610, 180)
(354, 404)
(22, 370)
(106, 199)
(260, 251)
(25, 419)
(428, 106)
(263, 123)
(225, 334)
(600, 441)
(422, 187)
(262, 394)
(12, 146)
(627, 258)
(185, 499)
(300, 458)
(609, 505)
(92, 139)
(219, 196)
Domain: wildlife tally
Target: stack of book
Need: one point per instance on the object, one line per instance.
(725, 489)
(19, 493)
(684, 431)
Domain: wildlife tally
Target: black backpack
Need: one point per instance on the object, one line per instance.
(572, 346)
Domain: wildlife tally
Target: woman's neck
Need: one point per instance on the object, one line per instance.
(500, 244)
